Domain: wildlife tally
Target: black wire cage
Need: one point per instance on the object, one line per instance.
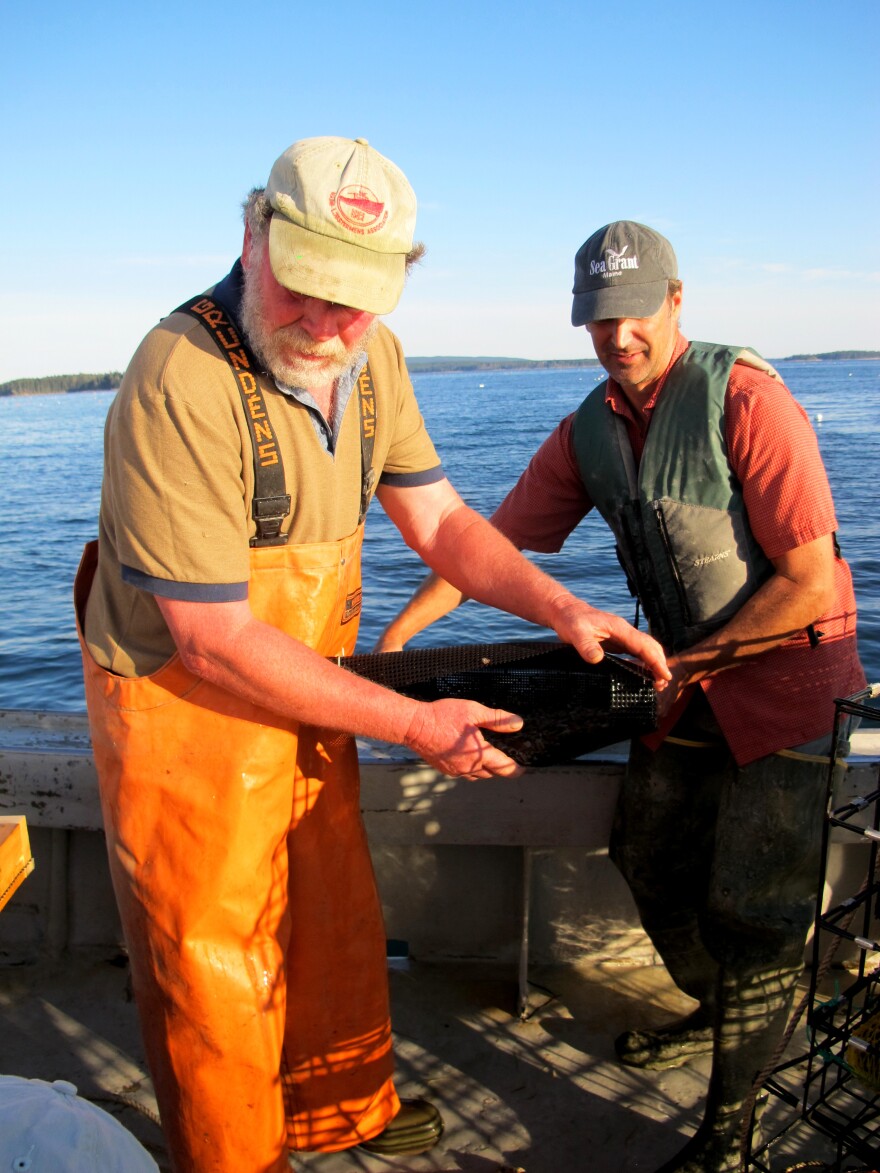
(569, 707)
(833, 1087)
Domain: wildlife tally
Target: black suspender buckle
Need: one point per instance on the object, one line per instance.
(269, 514)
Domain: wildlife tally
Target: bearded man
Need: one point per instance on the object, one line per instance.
(251, 431)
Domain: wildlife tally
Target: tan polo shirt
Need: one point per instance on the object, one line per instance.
(179, 481)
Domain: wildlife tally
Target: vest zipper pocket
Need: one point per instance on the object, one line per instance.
(673, 564)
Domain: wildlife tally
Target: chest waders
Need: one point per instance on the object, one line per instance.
(244, 882)
(722, 860)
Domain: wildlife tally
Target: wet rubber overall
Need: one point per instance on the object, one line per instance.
(239, 858)
(247, 895)
(723, 863)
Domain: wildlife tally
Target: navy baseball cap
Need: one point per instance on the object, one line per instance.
(622, 271)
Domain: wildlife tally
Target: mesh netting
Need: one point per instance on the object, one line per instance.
(569, 707)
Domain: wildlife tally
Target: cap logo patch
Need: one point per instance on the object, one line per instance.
(613, 263)
(356, 208)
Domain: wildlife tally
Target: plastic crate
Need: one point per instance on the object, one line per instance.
(16, 860)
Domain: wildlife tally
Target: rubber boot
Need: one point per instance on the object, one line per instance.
(677, 940)
(668, 1046)
(750, 1021)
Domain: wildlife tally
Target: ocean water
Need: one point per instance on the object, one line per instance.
(485, 425)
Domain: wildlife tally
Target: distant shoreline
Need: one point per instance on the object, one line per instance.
(423, 365)
(439, 363)
(109, 381)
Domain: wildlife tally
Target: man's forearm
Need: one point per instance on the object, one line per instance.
(794, 597)
(468, 552)
(216, 642)
(767, 620)
(291, 679)
(433, 598)
(479, 562)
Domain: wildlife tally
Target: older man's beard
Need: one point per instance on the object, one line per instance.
(283, 351)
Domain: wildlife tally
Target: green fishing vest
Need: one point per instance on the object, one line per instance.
(683, 536)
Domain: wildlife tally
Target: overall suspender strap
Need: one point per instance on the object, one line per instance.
(367, 404)
(271, 502)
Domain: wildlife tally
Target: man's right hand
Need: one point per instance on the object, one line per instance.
(594, 632)
(447, 735)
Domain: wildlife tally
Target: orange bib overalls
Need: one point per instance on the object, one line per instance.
(246, 890)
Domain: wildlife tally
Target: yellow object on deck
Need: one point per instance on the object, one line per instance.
(16, 860)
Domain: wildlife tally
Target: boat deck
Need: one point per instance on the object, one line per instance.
(542, 1094)
(508, 865)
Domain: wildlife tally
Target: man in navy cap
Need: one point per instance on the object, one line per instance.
(709, 475)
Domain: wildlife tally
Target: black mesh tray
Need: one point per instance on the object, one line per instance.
(569, 707)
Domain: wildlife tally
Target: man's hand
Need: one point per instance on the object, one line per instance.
(678, 683)
(446, 734)
(588, 629)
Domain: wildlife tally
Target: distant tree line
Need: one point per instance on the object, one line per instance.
(54, 384)
(110, 380)
(843, 355)
(439, 363)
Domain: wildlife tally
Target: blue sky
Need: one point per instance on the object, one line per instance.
(747, 132)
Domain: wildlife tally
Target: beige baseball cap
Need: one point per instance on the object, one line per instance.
(343, 223)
